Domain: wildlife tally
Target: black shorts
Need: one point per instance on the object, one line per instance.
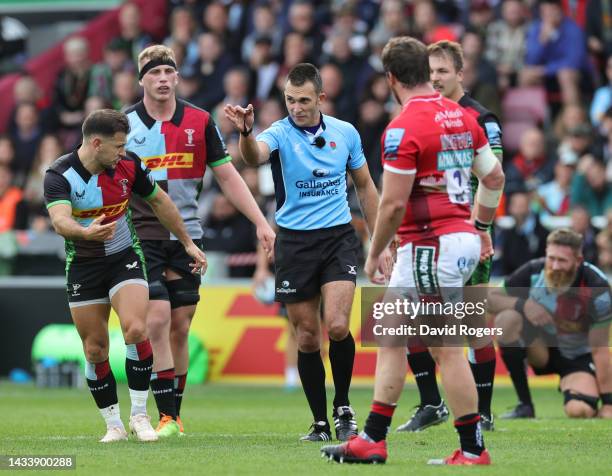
(168, 254)
(562, 366)
(306, 260)
(96, 280)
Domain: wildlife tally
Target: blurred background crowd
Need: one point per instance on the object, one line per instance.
(543, 67)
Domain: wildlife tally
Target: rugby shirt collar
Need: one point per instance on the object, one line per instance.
(80, 169)
(148, 121)
(301, 129)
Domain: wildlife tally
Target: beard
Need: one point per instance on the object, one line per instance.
(560, 280)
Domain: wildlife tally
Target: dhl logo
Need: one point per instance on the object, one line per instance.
(169, 161)
(108, 210)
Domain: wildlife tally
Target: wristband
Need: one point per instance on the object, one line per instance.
(606, 398)
(519, 306)
(246, 132)
(481, 226)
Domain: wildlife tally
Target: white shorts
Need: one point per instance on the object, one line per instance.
(427, 266)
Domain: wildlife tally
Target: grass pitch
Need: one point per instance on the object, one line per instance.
(254, 430)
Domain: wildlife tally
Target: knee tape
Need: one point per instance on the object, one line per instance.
(182, 292)
(569, 395)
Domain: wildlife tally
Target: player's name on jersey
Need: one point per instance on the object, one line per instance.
(108, 210)
(183, 160)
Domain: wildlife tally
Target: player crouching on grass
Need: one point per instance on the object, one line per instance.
(556, 312)
(87, 194)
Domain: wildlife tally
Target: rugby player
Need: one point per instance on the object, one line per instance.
(429, 152)
(177, 141)
(556, 312)
(446, 69)
(87, 194)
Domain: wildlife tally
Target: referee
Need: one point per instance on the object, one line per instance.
(316, 247)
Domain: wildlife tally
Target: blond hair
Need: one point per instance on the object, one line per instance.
(155, 52)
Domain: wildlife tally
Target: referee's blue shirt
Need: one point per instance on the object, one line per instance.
(310, 181)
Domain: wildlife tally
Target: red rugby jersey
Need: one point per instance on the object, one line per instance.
(437, 140)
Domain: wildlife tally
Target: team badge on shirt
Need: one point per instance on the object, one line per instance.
(393, 139)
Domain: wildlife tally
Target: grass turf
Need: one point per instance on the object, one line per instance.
(255, 430)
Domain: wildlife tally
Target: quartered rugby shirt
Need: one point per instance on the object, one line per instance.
(91, 196)
(177, 153)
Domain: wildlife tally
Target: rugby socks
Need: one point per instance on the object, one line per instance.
(342, 357)
(423, 367)
(482, 362)
(163, 390)
(138, 366)
(179, 387)
(514, 355)
(112, 416)
(312, 374)
(379, 420)
(102, 384)
(470, 435)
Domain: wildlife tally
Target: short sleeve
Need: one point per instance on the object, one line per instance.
(357, 159)
(144, 184)
(519, 282)
(480, 138)
(494, 133)
(601, 299)
(271, 136)
(216, 151)
(399, 151)
(56, 189)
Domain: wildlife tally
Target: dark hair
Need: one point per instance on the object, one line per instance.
(105, 122)
(566, 237)
(303, 72)
(449, 49)
(407, 59)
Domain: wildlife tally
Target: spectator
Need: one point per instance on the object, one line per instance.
(393, 21)
(342, 98)
(264, 69)
(505, 42)
(236, 86)
(347, 23)
(576, 143)
(602, 100)
(604, 245)
(295, 50)
(473, 52)
(228, 231)
(373, 120)
(302, 21)
(72, 84)
(530, 167)
(571, 117)
(125, 90)
(130, 32)
(183, 31)
(426, 26)
(581, 223)
(598, 29)
(527, 237)
(553, 198)
(590, 189)
(7, 151)
(265, 26)
(26, 137)
(212, 65)
(481, 15)
(556, 53)
(116, 60)
(13, 37)
(349, 64)
(49, 151)
(11, 203)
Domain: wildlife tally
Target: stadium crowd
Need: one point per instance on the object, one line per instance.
(554, 103)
